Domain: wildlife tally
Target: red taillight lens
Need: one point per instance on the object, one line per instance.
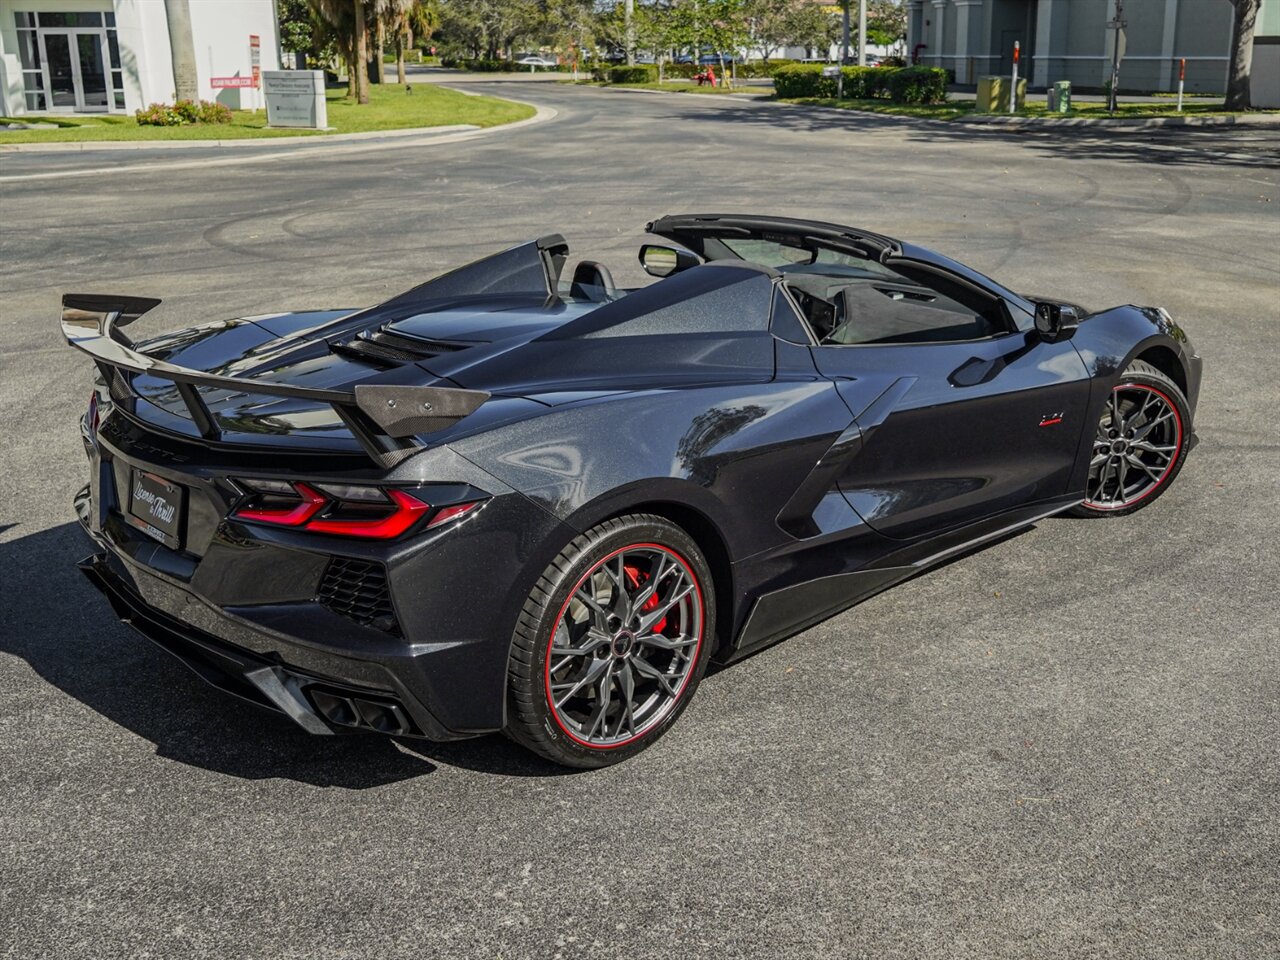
(341, 510)
(408, 510)
(292, 515)
(445, 514)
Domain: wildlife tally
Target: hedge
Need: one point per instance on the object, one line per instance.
(899, 84)
(639, 73)
(918, 84)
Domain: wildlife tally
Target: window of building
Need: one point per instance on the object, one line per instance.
(70, 62)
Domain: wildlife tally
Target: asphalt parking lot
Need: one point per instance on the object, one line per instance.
(1064, 745)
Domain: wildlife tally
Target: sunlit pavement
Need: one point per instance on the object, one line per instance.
(1061, 746)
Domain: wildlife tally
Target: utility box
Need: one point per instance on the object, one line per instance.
(1060, 97)
(993, 94)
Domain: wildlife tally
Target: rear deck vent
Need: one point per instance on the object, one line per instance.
(357, 590)
(392, 349)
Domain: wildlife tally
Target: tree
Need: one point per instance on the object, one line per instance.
(718, 24)
(886, 23)
(349, 32)
(182, 50)
(1239, 96)
(297, 33)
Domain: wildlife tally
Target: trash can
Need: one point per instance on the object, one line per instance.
(993, 94)
(1060, 97)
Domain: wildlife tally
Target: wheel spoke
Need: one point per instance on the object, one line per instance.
(1163, 450)
(657, 613)
(594, 671)
(664, 566)
(595, 639)
(627, 687)
(660, 642)
(1144, 467)
(644, 668)
(604, 699)
(1141, 432)
(1117, 422)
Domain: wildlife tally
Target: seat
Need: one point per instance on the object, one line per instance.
(592, 281)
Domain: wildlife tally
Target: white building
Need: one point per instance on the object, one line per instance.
(113, 56)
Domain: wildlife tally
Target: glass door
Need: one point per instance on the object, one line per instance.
(75, 65)
(93, 71)
(60, 72)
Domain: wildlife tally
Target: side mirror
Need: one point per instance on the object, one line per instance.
(661, 261)
(1056, 321)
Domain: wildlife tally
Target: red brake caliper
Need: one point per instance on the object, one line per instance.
(633, 574)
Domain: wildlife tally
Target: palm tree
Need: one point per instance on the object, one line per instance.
(347, 17)
(182, 50)
(1244, 21)
(398, 17)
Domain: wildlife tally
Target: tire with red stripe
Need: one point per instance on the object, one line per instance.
(1142, 439)
(611, 643)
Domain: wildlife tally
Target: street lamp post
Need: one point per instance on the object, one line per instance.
(1117, 25)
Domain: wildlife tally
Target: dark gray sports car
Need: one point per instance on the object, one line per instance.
(520, 498)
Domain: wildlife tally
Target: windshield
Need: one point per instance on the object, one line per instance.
(792, 259)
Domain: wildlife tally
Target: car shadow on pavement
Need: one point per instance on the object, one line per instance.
(53, 619)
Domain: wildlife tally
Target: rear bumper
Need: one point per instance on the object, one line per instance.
(319, 703)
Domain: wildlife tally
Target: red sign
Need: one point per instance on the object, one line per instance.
(233, 82)
(255, 58)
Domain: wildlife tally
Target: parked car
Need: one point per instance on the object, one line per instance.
(511, 500)
(536, 61)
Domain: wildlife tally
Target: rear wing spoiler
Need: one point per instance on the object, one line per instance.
(384, 418)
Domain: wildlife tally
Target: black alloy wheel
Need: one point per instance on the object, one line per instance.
(1142, 438)
(611, 643)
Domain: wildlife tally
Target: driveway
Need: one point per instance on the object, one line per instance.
(1064, 745)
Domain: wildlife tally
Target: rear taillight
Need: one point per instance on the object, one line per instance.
(406, 511)
(343, 510)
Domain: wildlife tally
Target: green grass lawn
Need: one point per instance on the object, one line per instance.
(954, 109)
(389, 108)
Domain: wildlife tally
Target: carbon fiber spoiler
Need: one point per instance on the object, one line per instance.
(384, 418)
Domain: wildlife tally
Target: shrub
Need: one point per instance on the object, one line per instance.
(182, 113)
(489, 66)
(802, 80)
(918, 85)
(806, 80)
(749, 69)
(640, 73)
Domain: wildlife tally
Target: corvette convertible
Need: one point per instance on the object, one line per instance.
(520, 498)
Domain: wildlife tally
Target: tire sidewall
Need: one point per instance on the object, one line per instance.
(630, 531)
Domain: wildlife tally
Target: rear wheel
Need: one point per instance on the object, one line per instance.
(611, 643)
(1141, 441)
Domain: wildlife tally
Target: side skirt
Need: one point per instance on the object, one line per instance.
(784, 613)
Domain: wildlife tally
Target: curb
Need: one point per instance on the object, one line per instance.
(1121, 123)
(462, 132)
(79, 146)
(1118, 123)
(304, 141)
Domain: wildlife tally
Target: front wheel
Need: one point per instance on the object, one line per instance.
(611, 643)
(1143, 436)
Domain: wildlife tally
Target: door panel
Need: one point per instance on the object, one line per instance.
(93, 71)
(62, 80)
(955, 432)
